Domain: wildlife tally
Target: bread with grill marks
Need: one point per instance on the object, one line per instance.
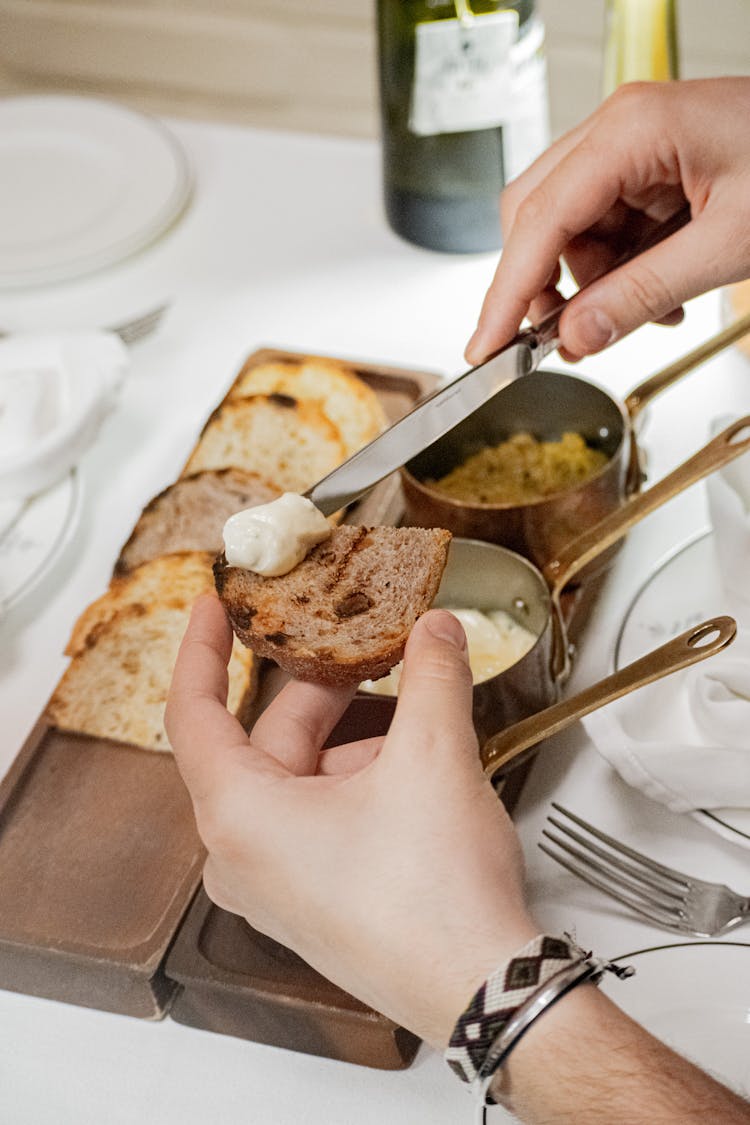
(344, 614)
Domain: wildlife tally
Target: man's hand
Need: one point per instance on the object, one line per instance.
(389, 864)
(635, 161)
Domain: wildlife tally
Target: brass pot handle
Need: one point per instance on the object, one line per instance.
(595, 540)
(642, 395)
(591, 543)
(691, 646)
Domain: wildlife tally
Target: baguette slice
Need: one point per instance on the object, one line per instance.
(344, 613)
(291, 440)
(171, 580)
(191, 513)
(117, 686)
(341, 394)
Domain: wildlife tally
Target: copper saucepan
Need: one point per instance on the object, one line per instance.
(509, 748)
(485, 576)
(546, 404)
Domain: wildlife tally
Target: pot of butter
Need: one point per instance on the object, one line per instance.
(553, 423)
(521, 603)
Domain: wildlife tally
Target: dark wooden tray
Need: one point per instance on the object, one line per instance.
(236, 981)
(99, 860)
(99, 854)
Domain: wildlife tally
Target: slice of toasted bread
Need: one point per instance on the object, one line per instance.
(171, 580)
(341, 394)
(116, 687)
(191, 513)
(293, 441)
(344, 614)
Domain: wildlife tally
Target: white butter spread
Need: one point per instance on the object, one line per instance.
(273, 538)
(495, 640)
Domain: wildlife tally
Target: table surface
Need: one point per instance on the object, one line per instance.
(285, 244)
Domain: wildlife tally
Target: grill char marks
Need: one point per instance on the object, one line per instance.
(340, 564)
(354, 603)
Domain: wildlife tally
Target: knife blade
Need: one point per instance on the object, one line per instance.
(425, 423)
(439, 412)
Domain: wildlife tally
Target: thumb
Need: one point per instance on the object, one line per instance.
(648, 288)
(435, 693)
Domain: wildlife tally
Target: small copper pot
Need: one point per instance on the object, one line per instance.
(546, 403)
(486, 576)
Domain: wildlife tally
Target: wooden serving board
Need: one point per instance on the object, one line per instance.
(99, 859)
(99, 854)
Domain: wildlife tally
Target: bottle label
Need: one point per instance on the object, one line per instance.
(463, 74)
(526, 131)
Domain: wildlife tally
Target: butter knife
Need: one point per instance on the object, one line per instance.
(440, 411)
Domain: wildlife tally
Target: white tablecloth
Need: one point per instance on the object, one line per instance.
(286, 244)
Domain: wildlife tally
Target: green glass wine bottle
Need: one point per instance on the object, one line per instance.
(463, 98)
(640, 42)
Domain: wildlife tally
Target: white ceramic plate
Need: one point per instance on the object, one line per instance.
(84, 183)
(684, 590)
(689, 996)
(34, 540)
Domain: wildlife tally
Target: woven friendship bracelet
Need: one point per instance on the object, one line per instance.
(509, 1001)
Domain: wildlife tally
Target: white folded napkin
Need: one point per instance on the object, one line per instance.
(55, 390)
(685, 741)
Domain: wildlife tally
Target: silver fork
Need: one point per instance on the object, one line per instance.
(666, 897)
(131, 331)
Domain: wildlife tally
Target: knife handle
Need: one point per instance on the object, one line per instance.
(544, 337)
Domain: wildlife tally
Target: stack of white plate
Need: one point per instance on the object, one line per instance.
(84, 184)
(89, 190)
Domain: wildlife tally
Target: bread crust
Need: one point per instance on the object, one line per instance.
(117, 684)
(173, 580)
(292, 439)
(349, 402)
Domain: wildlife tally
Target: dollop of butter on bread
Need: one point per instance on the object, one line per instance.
(271, 539)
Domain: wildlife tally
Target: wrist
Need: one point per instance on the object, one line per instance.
(587, 1063)
(480, 954)
(508, 1003)
(519, 1080)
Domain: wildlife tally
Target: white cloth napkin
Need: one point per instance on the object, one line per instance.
(685, 741)
(55, 390)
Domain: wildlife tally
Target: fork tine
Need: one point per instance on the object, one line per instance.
(616, 879)
(659, 868)
(133, 330)
(625, 900)
(644, 874)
